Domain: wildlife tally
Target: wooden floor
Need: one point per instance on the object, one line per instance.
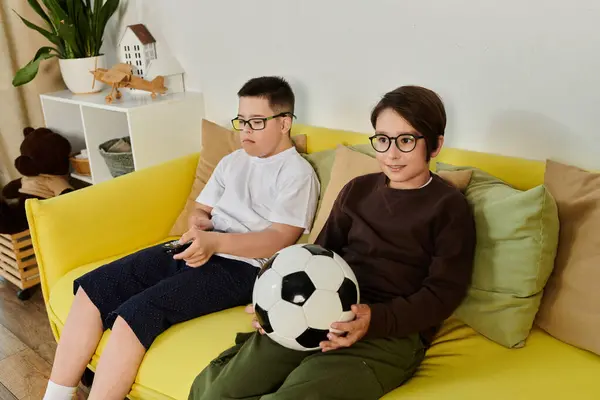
(26, 345)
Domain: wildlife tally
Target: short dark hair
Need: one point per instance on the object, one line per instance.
(420, 107)
(273, 88)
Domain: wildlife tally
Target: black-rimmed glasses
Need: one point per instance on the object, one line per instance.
(256, 124)
(405, 142)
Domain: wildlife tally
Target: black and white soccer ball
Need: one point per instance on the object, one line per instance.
(300, 292)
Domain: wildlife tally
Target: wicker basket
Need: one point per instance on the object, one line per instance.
(118, 163)
(81, 166)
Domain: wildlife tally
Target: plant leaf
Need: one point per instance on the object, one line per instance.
(63, 23)
(107, 11)
(97, 7)
(71, 4)
(55, 13)
(73, 9)
(38, 9)
(53, 38)
(83, 29)
(69, 34)
(86, 24)
(28, 72)
(95, 17)
(78, 25)
(64, 26)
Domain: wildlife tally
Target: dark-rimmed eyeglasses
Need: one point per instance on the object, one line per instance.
(405, 142)
(256, 124)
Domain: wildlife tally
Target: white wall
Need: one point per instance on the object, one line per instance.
(518, 77)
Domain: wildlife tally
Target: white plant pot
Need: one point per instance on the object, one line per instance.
(76, 73)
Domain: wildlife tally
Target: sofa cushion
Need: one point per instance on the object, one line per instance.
(321, 161)
(348, 164)
(461, 364)
(517, 235)
(217, 142)
(570, 308)
(458, 179)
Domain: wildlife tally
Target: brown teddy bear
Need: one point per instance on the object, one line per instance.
(44, 164)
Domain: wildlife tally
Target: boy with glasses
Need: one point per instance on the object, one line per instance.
(258, 200)
(409, 237)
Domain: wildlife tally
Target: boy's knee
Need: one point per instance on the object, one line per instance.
(135, 321)
(121, 326)
(206, 388)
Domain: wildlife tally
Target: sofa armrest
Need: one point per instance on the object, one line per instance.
(107, 219)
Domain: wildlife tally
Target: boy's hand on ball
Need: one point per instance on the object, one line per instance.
(255, 324)
(204, 245)
(354, 330)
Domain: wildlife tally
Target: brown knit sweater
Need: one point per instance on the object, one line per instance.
(411, 250)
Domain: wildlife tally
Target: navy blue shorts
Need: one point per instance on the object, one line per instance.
(151, 291)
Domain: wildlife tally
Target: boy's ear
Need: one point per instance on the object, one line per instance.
(439, 147)
(287, 124)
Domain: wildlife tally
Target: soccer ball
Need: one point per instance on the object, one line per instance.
(300, 292)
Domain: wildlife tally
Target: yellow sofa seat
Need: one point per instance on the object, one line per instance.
(75, 233)
(460, 365)
(176, 356)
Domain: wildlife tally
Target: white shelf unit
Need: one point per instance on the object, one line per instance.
(160, 130)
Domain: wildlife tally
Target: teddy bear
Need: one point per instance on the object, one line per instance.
(44, 164)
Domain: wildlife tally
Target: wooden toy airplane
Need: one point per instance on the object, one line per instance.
(121, 76)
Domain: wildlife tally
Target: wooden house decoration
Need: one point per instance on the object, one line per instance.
(171, 70)
(137, 48)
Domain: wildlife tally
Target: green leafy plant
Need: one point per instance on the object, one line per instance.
(75, 29)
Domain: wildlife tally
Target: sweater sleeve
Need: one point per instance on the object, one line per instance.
(445, 286)
(334, 235)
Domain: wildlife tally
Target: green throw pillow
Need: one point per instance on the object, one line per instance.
(517, 238)
(322, 162)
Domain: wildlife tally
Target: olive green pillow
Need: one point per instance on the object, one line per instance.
(517, 238)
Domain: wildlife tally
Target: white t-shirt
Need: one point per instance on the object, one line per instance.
(248, 194)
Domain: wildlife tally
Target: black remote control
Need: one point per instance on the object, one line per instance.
(175, 247)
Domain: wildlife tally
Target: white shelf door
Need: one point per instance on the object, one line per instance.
(162, 132)
(100, 126)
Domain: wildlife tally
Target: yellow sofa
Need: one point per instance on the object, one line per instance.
(78, 232)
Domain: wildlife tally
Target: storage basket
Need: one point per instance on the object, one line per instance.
(81, 166)
(118, 163)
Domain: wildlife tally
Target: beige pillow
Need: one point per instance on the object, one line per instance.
(217, 142)
(348, 165)
(458, 179)
(570, 309)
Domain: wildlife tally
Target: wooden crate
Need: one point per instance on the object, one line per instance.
(18, 264)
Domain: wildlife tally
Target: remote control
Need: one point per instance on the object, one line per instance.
(175, 247)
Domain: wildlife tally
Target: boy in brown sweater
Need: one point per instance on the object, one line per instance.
(409, 237)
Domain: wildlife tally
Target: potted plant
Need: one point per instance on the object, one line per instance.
(75, 29)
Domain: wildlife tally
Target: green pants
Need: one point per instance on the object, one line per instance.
(258, 368)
